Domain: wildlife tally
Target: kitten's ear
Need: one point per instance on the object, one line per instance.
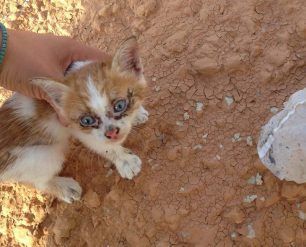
(127, 59)
(54, 91)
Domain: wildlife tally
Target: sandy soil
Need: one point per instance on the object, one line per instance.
(218, 70)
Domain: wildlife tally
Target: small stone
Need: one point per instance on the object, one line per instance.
(274, 110)
(302, 215)
(199, 106)
(249, 141)
(179, 123)
(221, 146)
(186, 116)
(198, 147)
(156, 88)
(256, 180)
(229, 100)
(205, 136)
(182, 189)
(236, 137)
(218, 157)
(91, 199)
(154, 79)
(249, 198)
(234, 235)
(251, 232)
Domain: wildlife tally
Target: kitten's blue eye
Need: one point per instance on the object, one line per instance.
(120, 106)
(88, 121)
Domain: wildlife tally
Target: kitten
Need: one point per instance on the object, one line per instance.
(102, 102)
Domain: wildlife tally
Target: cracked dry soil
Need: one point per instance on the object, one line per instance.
(218, 70)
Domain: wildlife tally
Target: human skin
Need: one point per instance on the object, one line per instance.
(30, 55)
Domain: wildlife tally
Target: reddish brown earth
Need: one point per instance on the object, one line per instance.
(217, 70)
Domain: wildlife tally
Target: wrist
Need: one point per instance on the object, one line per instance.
(3, 44)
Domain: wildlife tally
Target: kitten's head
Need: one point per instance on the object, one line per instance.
(101, 99)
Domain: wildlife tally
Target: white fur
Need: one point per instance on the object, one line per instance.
(53, 127)
(97, 101)
(141, 117)
(78, 65)
(127, 164)
(24, 106)
(35, 165)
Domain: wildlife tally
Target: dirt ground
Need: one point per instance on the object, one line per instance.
(217, 70)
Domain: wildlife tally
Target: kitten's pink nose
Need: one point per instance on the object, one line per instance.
(112, 132)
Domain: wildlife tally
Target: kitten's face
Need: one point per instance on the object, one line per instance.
(102, 99)
(103, 102)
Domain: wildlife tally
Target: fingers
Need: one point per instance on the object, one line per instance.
(81, 52)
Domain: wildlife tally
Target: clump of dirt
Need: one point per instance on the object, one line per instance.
(217, 70)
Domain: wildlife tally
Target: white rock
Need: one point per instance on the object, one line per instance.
(205, 136)
(179, 123)
(156, 88)
(249, 198)
(251, 232)
(229, 100)
(249, 141)
(236, 137)
(256, 180)
(199, 106)
(198, 147)
(186, 116)
(302, 215)
(281, 146)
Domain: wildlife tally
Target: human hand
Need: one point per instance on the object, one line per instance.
(31, 55)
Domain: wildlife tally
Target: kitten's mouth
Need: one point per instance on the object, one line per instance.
(112, 133)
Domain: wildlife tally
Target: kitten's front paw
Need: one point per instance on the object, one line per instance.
(128, 166)
(142, 116)
(67, 189)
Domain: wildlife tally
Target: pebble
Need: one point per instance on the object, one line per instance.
(198, 147)
(249, 141)
(199, 106)
(229, 100)
(256, 180)
(236, 137)
(179, 123)
(186, 116)
(234, 235)
(251, 232)
(302, 215)
(156, 88)
(249, 198)
(205, 136)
